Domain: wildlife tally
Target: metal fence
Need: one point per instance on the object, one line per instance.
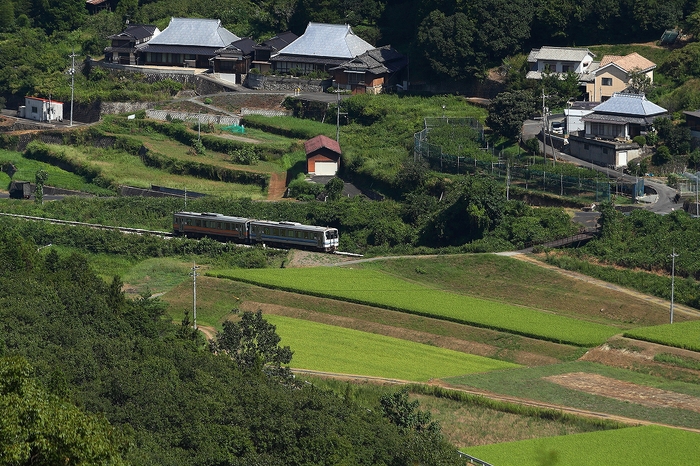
(525, 176)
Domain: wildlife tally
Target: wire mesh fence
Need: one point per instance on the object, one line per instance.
(535, 177)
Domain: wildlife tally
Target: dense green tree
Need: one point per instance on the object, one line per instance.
(7, 15)
(503, 28)
(508, 111)
(37, 428)
(447, 44)
(334, 188)
(253, 344)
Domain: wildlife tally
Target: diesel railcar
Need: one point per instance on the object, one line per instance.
(251, 231)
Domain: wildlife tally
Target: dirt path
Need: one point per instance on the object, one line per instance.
(277, 187)
(594, 281)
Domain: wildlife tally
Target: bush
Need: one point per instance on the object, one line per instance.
(662, 156)
(208, 101)
(641, 140)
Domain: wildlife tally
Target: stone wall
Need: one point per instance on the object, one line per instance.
(285, 83)
(269, 113)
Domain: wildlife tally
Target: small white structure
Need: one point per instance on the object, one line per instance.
(36, 108)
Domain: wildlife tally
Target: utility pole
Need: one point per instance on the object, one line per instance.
(194, 294)
(337, 116)
(673, 276)
(71, 71)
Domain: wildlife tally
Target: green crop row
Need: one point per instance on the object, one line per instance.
(684, 335)
(623, 447)
(328, 348)
(378, 289)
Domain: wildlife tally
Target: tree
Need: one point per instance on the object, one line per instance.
(334, 188)
(640, 83)
(405, 414)
(40, 178)
(508, 111)
(38, 428)
(446, 42)
(253, 344)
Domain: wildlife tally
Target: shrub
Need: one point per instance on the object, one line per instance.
(207, 101)
(641, 140)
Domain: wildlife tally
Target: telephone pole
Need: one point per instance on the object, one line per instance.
(673, 276)
(71, 71)
(194, 294)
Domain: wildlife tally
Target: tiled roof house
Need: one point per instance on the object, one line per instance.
(186, 42)
(123, 48)
(321, 47)
(614, 74)
(609, 129)
(372, 71)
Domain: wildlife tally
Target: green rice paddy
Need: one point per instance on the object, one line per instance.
(328, 348)
(681, 335)
(632, 446)
(379, 289)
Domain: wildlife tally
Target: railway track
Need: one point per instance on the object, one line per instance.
(136, 231)
(97, 226)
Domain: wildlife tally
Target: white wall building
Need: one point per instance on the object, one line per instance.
(36, 108)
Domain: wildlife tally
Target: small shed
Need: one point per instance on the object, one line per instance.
(322, 156)
(36, 108)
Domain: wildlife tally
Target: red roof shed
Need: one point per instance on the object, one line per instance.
(322, 156)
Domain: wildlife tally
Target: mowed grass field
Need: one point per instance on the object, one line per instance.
(633, 446)
(684, 335)
(328, 348)
(382, 290)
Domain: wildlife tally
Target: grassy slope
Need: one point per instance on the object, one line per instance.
(623, 447)
(336, 349)
(27, 168)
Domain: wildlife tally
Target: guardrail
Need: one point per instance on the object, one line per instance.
(473, 460)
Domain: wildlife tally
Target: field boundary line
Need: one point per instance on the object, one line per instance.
(494, 396)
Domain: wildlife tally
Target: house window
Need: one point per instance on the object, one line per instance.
(355, 78)
(606, 81)
(566, 68)
(35, 109)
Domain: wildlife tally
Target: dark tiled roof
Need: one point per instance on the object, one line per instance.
(377, 61)
(320, 141)
(136, 31)
(279, 42)
(245, 45)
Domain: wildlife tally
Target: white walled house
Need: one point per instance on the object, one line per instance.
(559, 60)
(39, 109)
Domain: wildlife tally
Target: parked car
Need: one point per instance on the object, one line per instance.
(558, 127)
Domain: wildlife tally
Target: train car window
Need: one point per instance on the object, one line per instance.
(290, 233)
(267, 230)
(315, 235)
(306, 235)
(218, 225)
(198, 223)
(275, 231)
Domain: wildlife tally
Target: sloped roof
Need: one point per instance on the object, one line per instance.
(633, 61)
(194, 32)
(629, 104)
(137, 31)
(320, 141)
(244, 46)
(327, 40)
(559, 54)
(279, 42)
(377, 61)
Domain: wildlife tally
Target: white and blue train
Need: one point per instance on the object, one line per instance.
(251, 231)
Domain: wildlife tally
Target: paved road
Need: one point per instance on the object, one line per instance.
(661, 203)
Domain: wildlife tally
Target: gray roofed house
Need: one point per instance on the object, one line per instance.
(270, 47)
(234, 60)
(320, 47)
(371, 72)
(559, 60)
(609, 130)
(186, 42)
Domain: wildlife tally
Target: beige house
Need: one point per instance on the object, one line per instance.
(614, 74)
